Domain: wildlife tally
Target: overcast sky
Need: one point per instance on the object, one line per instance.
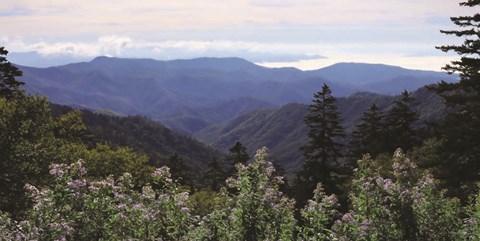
(306, 34)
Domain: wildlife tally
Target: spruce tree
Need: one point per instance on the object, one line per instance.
(179, 170)
(460, 129)
(214, 175)
(323, 148)
(400, 122)
(236, 154)
(9, 86)
(369, 134)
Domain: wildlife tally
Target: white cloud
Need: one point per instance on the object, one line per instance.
(107, 45)
(271, 54)
(121, 46)
(424, 62)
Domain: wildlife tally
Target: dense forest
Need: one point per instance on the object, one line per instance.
(394, 173)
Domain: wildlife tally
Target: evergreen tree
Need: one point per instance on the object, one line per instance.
(369, 135)
(236, 154)
(323, 148)
(400, 121)
(460, 129)
(214, 175)
(9, 86)
(178, 169)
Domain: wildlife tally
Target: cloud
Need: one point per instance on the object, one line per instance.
(15, 11)
(107, 45)
(121, 46)
(66, 18)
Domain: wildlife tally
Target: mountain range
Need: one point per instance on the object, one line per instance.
(191, 95)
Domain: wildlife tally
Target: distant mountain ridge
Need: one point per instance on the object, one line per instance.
(189, 95)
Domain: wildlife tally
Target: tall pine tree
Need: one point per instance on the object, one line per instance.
(236, 154)
(460, 129)
(214, 174)
(369, 134)
(9, 86)
(323, 148)
(400, 122)
(179, 170)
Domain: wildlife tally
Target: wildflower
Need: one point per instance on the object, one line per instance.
(270, 169)
(75, 184)
(330, 200)
(261, 153)
(57, 169)
(232, 182)
(347, 217)
(162, 172)
(32, 189)
(147, 192)
(387, 184)
(149, 217)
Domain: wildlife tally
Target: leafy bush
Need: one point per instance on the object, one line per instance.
(404, 204)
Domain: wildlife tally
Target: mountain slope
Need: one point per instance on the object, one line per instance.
(145, 136)
(188, 95)
(360, 74)
(283, 131)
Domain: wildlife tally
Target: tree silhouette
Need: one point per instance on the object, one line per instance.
(460, 129)
(400, 120)
(369, 134)
(236, 154)
(214, 174)
(323, 148)
(9, 86)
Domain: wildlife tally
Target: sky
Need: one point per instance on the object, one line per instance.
(306, 34)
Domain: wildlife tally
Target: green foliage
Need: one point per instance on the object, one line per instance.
(205, 201)
(400, 123)
(9, 86)
(74, 208)
(257, 210)
(236, 154)
(317, 216)
(144, 136)
(214, 175)
(369, 135)
(323, 122)
(70, 127)
(103, 160)
(178, 169)
(29, 139)
(323, 148)
(404, 206)
(460, 130)
(471, 226)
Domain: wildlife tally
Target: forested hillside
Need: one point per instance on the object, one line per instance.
(145, 136)
(283, 130)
